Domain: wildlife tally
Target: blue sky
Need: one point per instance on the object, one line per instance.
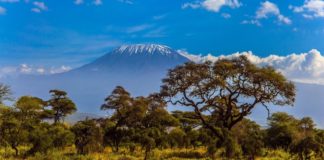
(74, 32)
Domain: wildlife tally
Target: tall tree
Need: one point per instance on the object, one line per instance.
(120, 103)
(61, 105)
(227, 90)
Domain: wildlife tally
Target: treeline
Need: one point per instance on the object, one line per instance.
(218, 97)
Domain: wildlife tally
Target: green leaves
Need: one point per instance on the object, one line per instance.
(61, 105)
(88, 136)
(227, 89)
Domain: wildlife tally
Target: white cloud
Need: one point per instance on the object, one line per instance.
(253, 21)
(126, 1)
(36, 10)
(61, 69)
(212, 5)
(2, 11)
(159, 17)
(78, 2)
(226, 15)
(194, 5)
(25, 69)
(266, 10)
(310, 8)
(304, 67)
(39, 7)
(41, 70)
(156, 33)
(216, 5)
(97, 2)
(138, 28)
(9, 1)
(270, 9)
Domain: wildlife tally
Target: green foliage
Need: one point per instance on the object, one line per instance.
(45, 137)
(12, 129)
(88, 136)
(222, 88)
(305, 147)
(282, 130)
(250, 137)
(177, 137)
(142, 120)
(61, 135)
(61, 105)
(40, 139)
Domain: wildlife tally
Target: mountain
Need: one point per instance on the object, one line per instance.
(139, 68)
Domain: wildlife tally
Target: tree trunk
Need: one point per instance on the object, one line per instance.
(146, 154)
(16, 150)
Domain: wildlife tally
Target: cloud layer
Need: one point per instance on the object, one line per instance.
(305, 67)
(25, 69)
(212, 5)
(310, 9)
(268, 9)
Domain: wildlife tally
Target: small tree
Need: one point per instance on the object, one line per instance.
(88, 136)
(45, 136)
(30, 110)
(5, 93)
(22, 121)
(176, 137)
(40, 139)
(305, 147)
(282, 130)
(61, 135)
(12, 130)
(61, 105)
(250, 138)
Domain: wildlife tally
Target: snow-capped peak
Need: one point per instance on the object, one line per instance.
(144, 49)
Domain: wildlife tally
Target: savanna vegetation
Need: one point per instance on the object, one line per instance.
(217, 98)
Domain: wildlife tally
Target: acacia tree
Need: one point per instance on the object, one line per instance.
(61, 105)
(224, 92)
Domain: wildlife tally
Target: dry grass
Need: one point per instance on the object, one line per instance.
(69, 153)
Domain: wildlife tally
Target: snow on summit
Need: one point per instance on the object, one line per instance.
(144, 49)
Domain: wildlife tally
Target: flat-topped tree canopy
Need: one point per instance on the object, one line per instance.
(224, 92)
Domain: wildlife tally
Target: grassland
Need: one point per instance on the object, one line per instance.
(69, 153)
